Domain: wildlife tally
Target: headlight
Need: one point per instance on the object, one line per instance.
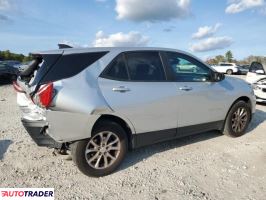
(252, 92)
(262, 82)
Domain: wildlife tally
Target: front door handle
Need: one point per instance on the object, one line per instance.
(185, 88)
(121, 89)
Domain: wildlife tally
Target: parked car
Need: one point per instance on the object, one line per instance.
(243, 69)
(100, 102)
(226, 68)
(256, 72)
(21, 66)
(12, 62)
(257, 77)
(7, 70)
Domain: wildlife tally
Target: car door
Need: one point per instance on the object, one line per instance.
(135, 86)
(200, 101)
(220, 68)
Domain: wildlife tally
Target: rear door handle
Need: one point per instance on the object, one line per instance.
(121, 89)
(185, 88)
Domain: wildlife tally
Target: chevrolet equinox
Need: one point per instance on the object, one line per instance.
(100, 102)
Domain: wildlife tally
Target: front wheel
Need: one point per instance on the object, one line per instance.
(103, 152)
(237, 119)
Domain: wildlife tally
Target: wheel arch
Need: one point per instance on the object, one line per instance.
(125, 124)
(242, 98)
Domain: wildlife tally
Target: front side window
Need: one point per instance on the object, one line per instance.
(145, 66)
(187, 69)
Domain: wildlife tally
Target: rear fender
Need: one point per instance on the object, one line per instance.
(69, 126)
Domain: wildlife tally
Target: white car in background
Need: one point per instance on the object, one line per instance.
(226, 68)
(257, 77)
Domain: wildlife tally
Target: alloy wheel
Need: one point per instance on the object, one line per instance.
(102, 150)
(239, 119)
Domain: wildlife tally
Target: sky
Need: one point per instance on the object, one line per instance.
(204, 28)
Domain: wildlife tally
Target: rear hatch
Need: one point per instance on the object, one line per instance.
(36, 70)
(29, 78)
(37, 79)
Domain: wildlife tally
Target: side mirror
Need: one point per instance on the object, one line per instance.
(218, 76)
(259, 71)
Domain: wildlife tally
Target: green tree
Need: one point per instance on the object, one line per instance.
(229, 56)
(220, 58)
(7, 55)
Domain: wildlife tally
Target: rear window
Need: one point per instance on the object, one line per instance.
(66, 66)
(256, 66)
(48, 61)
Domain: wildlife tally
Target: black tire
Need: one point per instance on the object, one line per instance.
(229, 72)
(229, 128)
(78, 150)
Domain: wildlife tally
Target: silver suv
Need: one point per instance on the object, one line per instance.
(100, 102)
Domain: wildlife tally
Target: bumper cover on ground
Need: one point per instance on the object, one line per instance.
(36, 130)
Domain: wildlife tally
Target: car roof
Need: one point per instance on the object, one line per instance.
(98, 49)
(118, 50)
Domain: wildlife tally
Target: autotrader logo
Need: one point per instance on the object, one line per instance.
(27, 193)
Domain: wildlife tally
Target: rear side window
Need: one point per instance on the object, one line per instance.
(70, 65)
(117, 69)
(145, 66)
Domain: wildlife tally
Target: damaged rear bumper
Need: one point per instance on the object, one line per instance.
(36, 130)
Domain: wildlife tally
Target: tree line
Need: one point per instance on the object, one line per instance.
(7, 55)
(228, 57)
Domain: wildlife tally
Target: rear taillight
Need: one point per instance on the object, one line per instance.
(44, 95)
(17, 87)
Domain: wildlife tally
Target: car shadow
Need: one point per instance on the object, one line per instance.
(138, 155)
(4, 144)
(261, 103)
(258, 118)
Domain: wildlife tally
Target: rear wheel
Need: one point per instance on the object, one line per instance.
(237, 119)
(229, 72)
(103, 152)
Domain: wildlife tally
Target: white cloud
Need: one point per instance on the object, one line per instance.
(152, 10)
(206, 31)
(262, 11)
(237, 6)
(4, 18)
(211, 43)
(5, 5)
(131, 39)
